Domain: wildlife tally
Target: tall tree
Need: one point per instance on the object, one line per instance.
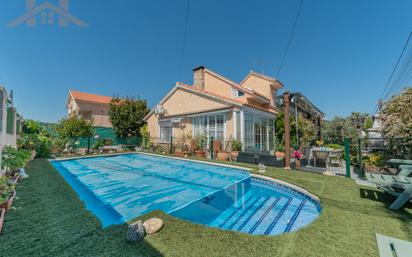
(306, 131)
(339, 128)
(75, 128)
(126, 115)
(396, 116)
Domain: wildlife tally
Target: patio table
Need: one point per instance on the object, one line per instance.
(326, 153)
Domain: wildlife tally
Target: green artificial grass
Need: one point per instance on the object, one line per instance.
(50, 220)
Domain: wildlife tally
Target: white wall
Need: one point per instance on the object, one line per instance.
(5, 138)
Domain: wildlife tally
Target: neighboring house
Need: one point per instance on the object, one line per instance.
(374, 135)
(217, 107)
(90, 107)
(302, 106)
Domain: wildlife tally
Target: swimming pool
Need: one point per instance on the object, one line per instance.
(119, 188)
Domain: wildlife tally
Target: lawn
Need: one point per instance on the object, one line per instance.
(50, 220)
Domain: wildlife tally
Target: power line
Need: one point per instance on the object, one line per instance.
(388, 83)
(182, 56)
(290, 38)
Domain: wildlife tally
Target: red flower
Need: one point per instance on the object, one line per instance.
(297, 154)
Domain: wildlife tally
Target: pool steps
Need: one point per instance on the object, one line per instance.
(262, 215)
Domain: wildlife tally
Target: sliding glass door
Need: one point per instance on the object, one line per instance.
(259, 133)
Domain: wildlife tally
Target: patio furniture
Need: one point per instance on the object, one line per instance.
(400, 161)
(319, 155)
(405, 170)
(390, 247)
(398, 186)
(331, 157)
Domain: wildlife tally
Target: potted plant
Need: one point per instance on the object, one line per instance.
(200, 143)
(222, 156)
(2, 214)
(280, 152)
(298, 156)
(7, 193)
(236, 148)
(14, 160)
(179, 152)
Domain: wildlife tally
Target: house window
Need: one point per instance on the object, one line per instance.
(11, 116)
(237, 93)
(249, 132)
(165, 132)
(271, 127)
(238, 129)
(264, 134)
(211, 126)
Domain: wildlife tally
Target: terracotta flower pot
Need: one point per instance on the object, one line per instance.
(179, 153)
(280, 155)
(7, 204)
(234, 155)
(222, 156)
(298, 164)
(200, 153)
(2, 214)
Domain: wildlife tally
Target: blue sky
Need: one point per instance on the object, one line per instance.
(341, 56)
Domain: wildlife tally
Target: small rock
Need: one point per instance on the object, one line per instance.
(136, 231)
(153, 225)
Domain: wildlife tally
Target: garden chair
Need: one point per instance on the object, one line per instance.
(398, 186)
(322, 156)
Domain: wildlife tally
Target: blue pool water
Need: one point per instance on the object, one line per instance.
(119, 188)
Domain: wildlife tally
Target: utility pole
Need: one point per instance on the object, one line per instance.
(286, 105)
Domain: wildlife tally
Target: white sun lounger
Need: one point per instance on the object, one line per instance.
(390, 247)
(398, 186)
(406, 170)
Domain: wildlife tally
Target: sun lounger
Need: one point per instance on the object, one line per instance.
(398, 186)
(389, 246)
(405, 170)
(400, 161)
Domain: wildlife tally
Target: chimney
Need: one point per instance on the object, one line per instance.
(199, 77)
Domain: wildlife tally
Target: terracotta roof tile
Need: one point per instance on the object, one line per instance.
(82, 96)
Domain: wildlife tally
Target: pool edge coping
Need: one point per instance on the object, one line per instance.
(199, 161)
(254, 175)
(287, 184)
(151, 154)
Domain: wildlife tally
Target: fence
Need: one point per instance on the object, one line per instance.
(354, 158)
(108, 136)
(383, 154)
(203, 147)
(330, 159)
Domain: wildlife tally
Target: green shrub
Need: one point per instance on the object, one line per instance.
(375, 159)
(38, 142)
(335, 146)
(5, 189)
(14, 159)
(236, 145)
